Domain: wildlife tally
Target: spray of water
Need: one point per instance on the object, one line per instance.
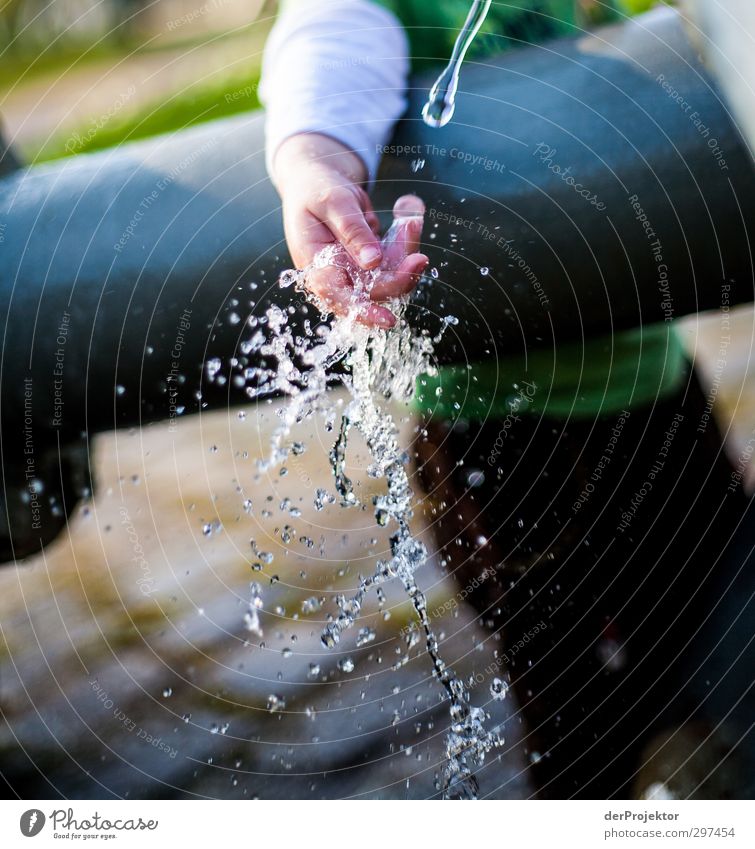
(375, 366)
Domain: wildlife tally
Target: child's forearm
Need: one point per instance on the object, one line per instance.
(315, 150)
(336, 68)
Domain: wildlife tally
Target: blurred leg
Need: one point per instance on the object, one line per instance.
(601, 580)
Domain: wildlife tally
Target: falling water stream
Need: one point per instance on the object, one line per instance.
(441, 101)
(375, 366)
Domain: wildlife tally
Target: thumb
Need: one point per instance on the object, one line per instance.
(341, 210)
(402, 238)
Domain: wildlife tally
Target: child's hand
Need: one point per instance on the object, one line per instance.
(323, 202)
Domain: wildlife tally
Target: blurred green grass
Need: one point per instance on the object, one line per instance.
(202, 101)
(636, 7)
(26, 67)
(217, 88)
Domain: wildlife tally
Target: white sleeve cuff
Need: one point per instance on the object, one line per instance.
(339, 68)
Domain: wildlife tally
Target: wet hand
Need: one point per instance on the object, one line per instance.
(320, 182)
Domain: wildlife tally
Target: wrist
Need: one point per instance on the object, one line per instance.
(315, 151)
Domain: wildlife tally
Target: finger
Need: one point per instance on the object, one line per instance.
(373, 222)
(374, 315)
(370, 216)
(401, 241)
(305, 235)
(333, 289)
(407, 206)
(340, 209)
(403, 237)
(400, 282)
(412, 233)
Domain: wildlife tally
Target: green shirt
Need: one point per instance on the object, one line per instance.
(432, 25)
(600, 376)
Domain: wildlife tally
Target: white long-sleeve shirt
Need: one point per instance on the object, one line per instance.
(337, 67)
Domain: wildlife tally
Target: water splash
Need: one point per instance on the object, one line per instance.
(376, 367)
(441, 102)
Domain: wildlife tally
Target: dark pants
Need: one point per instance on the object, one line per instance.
(605, 537)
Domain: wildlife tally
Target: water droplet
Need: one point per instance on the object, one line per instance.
(475, 478)
(288, 278)
(275, 703)
(499, 689)
(311, 605)
(212, 367)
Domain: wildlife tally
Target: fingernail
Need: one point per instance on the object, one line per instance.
(369, 255)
